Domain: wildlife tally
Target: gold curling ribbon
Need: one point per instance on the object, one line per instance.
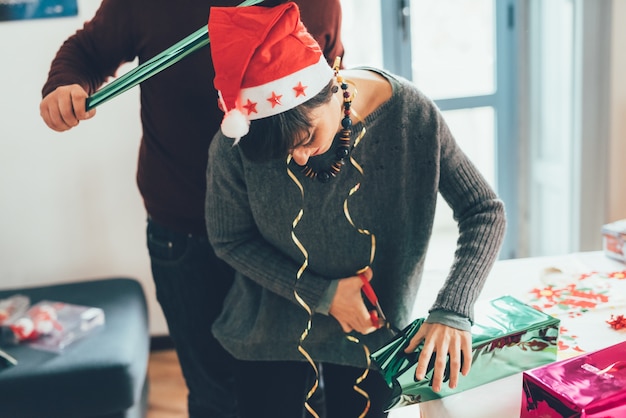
(346, 213)
(301, 301)
(372, 253)
(361, 378)
(305, 264)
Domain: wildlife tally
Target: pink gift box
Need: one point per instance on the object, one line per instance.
(591, 385)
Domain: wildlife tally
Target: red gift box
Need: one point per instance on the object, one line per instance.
(591, 385)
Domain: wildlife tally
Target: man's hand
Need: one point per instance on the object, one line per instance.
(441, 341)
(65, 107)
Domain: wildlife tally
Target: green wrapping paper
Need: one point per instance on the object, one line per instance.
(508, 337)
(161, 61)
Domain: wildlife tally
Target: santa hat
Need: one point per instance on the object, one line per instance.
(265, 63)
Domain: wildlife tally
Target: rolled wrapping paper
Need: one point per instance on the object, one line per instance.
(591, 385)
(508, 337)
(158, 63)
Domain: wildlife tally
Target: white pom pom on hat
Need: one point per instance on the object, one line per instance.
(235, 125)
(265, 63)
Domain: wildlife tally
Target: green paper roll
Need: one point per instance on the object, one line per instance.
(158, 63)
(508, 337)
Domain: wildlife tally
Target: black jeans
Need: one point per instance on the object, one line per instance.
(278, 389)
(191, 283)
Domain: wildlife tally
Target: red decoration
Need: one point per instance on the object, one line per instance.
(300, 89)
(40, 320)
(617, 322)
(621, 275)
(250, 107)
(275, 99)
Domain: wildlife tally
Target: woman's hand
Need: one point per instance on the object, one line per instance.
(348, 307)
(442, 341)
(65, 107)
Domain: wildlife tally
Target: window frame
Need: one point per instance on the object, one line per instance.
(397, 57)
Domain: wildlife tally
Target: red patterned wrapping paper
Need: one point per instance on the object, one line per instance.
(591, 385)
(584, 302)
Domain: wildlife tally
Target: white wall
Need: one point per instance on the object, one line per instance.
(69, 205)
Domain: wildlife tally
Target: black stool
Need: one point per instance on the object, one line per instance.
(103, 375)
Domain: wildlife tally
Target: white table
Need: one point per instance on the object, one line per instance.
(587, 331)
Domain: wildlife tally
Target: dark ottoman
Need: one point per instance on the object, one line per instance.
(100, 375)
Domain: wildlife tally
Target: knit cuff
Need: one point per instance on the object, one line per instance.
(324, 306)
(450, 319)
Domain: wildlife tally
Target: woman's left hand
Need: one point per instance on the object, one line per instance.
(442, 341)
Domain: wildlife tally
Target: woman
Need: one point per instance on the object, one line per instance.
(332, 183)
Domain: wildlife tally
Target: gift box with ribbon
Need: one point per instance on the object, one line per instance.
(590, 385)
(613, 240)
(508, 337)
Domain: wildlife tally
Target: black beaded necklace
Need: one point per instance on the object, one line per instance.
(342, 151)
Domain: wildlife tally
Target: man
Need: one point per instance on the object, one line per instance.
(179, 115)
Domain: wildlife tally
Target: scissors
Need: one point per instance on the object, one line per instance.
(379, 320)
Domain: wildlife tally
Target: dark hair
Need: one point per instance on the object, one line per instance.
(275, 136)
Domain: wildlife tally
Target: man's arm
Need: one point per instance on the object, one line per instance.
(322, 19)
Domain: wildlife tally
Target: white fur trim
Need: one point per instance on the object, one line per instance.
(313, 78)
(235, 124)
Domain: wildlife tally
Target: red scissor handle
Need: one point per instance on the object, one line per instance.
(371, 296)
(368, 289)
(375, 319)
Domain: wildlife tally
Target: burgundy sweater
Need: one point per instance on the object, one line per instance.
(179, 112)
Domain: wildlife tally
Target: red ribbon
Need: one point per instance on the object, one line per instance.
(617, 322)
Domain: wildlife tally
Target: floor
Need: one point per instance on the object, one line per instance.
(168, 394)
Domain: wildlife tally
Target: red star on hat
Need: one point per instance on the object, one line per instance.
(300, 89)
(250, 107)
(275, 99)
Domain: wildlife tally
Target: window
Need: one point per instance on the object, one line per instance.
(462, 54)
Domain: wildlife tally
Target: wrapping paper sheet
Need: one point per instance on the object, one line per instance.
(508, 337)
(583, 301)
(582, 329)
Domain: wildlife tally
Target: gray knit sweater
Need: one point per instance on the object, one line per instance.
(408, 156)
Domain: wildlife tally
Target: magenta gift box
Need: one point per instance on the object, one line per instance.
(591, 385)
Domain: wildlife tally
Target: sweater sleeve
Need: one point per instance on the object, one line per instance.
(236, 239)
(481, 221)
(94, 53)
(322, 19)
